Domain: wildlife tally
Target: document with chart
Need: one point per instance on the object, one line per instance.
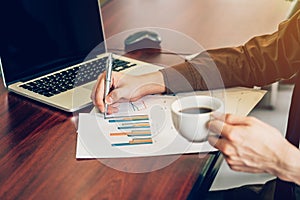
(144, 128)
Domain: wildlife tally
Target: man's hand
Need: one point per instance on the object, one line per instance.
(250, 145)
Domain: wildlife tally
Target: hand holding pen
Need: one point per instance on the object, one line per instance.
(118, 87)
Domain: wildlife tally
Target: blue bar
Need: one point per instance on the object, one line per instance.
(127, 120)
(129, 144)
(133, 127)
(138, 135)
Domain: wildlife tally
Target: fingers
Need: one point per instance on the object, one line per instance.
(220, 128)
(236, 142)
(113, 108)
(229, 126)
(231, 119)
(222, 144)
(233, 159)
(226, 127)
(215, 141)
(115, 95)
(98, 92)
(238, 165)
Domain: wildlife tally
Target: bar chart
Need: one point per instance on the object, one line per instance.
(136, 128)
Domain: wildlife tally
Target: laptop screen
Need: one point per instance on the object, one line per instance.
(40, 36)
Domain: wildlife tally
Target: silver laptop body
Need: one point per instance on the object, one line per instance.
(43, 40)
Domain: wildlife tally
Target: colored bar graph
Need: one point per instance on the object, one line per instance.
(129, 118)
(135, 142)
(132, 133)
(129, 144)
(140, 132)
(135, 126)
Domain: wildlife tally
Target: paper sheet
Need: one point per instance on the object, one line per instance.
(94, 139)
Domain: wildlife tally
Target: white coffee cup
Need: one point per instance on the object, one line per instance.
(188, 119)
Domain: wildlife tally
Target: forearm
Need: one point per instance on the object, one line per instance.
(288, 167)
(152, 83)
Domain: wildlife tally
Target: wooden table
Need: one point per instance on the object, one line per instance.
(38, 143)
(37, 161)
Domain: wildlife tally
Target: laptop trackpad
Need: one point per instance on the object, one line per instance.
(89, 86)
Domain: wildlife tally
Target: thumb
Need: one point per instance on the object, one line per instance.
(114, 96)
(109, 100)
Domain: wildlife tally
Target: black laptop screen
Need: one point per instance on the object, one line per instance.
(39, 36)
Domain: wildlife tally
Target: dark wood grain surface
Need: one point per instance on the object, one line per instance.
(38, 143)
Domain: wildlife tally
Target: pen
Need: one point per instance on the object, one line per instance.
(109, 66)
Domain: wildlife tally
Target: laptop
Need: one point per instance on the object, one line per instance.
(52, 51)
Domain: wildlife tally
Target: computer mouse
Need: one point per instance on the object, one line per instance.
(142, 40)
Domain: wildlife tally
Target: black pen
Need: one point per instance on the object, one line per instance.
(109, 66)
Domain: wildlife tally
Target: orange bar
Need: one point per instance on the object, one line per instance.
(130, 133)
(136, 117)
(119, 134)
(144, 124)
(140, 141)
(139, 132)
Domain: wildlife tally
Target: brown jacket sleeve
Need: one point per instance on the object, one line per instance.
(261, 61)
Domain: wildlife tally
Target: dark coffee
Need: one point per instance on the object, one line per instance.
(196, 110)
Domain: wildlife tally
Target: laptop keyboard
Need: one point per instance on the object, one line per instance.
(66, 80)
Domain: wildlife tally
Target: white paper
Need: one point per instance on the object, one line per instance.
(94, 141)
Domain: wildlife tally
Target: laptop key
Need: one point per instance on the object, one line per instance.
(66, 80)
